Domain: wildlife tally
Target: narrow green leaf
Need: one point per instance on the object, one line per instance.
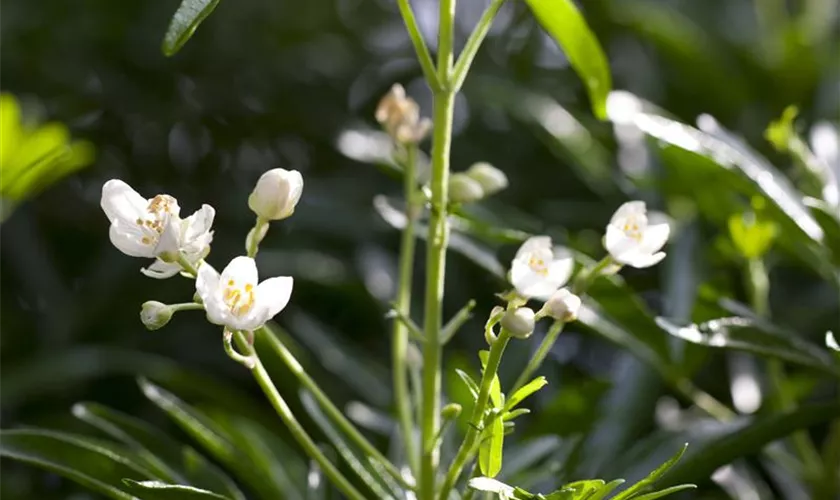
(184, 23)
(578, 490)
(156, 490)
(469, 382)
(525, 391)
(176, 461)
(511, 415)
(744, 334)
(566, 25)
(92, 463)
(652, 477)
(606, 489)
(495, 386)
(666, 492)
(490, 450)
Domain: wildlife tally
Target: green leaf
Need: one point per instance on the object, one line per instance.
(780, 132)
(525, 391)
(562, 20)
(756, 337)
(495, 386)
(667, 491)
(156, 490)
(606, 489)
(469, 382)
(211, 436)
(175, 461)
(490, 450)
(94, 464)
(751, 235)
(184, 23)
(652, 477)
(379, 484)
(578, 490)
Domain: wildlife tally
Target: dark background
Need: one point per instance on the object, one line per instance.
(267, 83)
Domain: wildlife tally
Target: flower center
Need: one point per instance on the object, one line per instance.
(633, 227)
(239, 300)
(158, 212)
(537, 264)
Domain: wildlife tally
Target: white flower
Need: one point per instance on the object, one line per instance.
(635, 239)
(235, 300)
(537, 271)
(562, 306)
(276, 194)
(153, 228)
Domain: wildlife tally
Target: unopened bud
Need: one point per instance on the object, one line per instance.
(519, 322)
(450, 411)
(400, 117)
(276, 194)
(155, 315)
(563, 305)
(491, 179)
(464, 189)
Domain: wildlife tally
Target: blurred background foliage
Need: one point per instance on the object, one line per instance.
(294, 84)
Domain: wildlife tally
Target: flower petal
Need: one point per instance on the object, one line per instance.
(641, 261)
(241, 270)
(128, 240)
(560, 270)
(121, 202)
(534, 244)
(655, 237)
(637, 208)
(161, 270)
(274, 294)
(207, 286)
(618, 244)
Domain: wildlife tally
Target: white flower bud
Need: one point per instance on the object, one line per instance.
(464, 189)
(563, 305)
(400, 117)
(491, 179)
(155, 315)
(519, 322)
(276, 194)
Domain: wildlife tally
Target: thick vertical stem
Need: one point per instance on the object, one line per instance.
(403, 305)
(444, 100)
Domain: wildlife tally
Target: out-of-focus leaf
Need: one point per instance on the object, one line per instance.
(606, 489)
(211, 436)
(652, 477)
(381, 486)
(470, 383)
(525, 391)
(490, 450)
(752, 336)
(179, 463)
(667, 491)
(566, 25)
(81, 459)
(522, 456)
(578, 490)
(184, 23)
(828, 217)
(156, 490)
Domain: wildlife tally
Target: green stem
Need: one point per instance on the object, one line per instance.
(297, 430)
(539, 356)
(465, 60)
(758, 284)
(402, 393)
(186, 306)
(436, 241)
(255, 236)
(476, 419)
(329, 408)
(420, 47)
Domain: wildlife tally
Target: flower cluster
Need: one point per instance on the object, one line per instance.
(153, 228)
(400, 117)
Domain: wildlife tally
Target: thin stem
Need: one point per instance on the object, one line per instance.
(255, 237)
(436, 241)
(465, 60)
(409, 324)
(402, 306)
(187, 265)
(476, 419)
(536, 360)
(456, 322)
(297, 430)
(329, 408)
(420, 47)
(186, 306)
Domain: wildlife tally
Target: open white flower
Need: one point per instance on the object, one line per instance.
(634, 237)
(152, 228)
(235, 300)
(537, 270)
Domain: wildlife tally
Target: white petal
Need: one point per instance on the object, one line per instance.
(199, 223)
(520, 273)
(249, 322)
(121, 202)
(295, 189)
(207, 286)
(618, 244)
(655, 237)
(274, 294)
(560, 270)
(534, 244)
(128, 240)
(629, 208)
(169, 243)
(641, 261)
(242, 270)
(161, 270)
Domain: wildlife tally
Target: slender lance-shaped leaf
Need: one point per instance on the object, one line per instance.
(744, 334)
(652, 477)
(605, 490)
(180, 463)
(469, 382)
(184, 23)
(156, 490)
(490, 450)
(84, 460)
(525, 391)
(566, 25)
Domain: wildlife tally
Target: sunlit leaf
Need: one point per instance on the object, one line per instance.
(490, 450)
(665, 492)
(652, 477)
(184, 23)
(525, 391)
(606, 489)
(156, 490)
(566, 25)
